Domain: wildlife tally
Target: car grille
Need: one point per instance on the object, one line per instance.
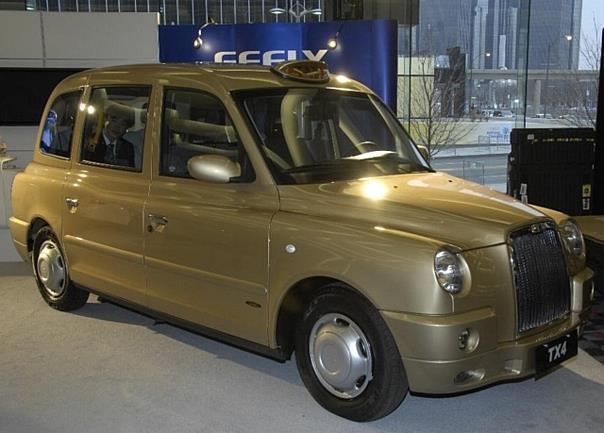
(540, 276)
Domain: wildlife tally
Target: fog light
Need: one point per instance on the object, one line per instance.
(469, 376)
(468, 340)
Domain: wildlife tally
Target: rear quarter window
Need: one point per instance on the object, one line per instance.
(57, 132)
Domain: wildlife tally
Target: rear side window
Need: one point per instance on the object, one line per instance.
(58, 127)
(114, 130)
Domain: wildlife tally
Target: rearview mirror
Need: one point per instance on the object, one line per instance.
(213, 168)
(424, 151)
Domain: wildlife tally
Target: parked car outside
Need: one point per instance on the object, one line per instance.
(503, 113)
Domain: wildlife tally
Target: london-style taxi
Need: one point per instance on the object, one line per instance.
(285, 209)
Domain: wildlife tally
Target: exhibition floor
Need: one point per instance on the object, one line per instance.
(107, 369)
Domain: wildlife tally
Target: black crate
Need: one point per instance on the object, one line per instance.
(551, 146)
(553, 168)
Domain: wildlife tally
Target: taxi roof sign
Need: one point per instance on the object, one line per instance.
(308, 71)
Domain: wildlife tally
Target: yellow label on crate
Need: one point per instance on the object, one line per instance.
(586, 190)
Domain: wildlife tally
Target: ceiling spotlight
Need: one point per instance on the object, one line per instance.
(332, 43)
(198, 42)
(569, 37)
(487, 54)
(277, 11)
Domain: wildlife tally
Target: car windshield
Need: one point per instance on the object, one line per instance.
(311, 135)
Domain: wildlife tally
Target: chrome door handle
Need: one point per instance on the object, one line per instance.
(157, 223)
(72, 204)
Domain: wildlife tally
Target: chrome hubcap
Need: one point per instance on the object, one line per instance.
(340, 355)
(50, 268)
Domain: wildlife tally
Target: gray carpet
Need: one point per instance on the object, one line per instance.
(107, 369)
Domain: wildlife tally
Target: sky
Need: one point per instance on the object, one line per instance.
(591, 9)
(593, 6)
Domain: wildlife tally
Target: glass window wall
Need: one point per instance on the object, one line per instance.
(468, 70)
(174, 12)
(471, 70)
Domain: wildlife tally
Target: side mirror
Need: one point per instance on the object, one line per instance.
(213, 168)
(424, 151)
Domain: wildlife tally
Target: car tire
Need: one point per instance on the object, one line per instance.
(52, 273)
(347, 357)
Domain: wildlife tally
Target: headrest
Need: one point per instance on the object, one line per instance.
(222, 133)
(141, 114)
(171, 114)
(121, 111)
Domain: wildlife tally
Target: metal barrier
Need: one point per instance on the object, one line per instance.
(473, 171)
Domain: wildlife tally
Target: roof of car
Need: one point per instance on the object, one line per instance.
(229, 76)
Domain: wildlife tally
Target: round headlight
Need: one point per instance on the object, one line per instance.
(450, 270)
(572, 238)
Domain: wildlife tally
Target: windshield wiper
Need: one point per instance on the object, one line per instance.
(376, 154)
(389, 156)
(320, 165)
(339, 163)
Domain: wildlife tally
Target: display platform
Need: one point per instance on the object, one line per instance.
(592, 227)
(104, 368)
(593, 334)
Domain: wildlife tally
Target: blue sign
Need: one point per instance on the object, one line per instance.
(365, 51)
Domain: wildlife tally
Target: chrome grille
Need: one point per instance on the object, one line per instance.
(540, 276)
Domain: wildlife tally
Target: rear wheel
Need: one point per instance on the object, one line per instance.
(347, 357)
(52, 273)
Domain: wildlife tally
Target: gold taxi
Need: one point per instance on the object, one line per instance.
(286, 210)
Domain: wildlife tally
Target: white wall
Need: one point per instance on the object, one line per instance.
(20, 39)
(64, 40)
(77, 40)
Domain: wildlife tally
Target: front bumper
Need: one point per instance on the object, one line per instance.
(435, 364)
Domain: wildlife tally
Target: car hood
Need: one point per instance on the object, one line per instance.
(433, 205)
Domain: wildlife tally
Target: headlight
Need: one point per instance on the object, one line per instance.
(451, 270)
(572, 238)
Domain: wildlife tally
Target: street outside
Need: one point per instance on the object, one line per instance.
(489, 170)
(481, 156)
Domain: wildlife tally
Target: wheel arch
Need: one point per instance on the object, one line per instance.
(294, 302)
(34, 226)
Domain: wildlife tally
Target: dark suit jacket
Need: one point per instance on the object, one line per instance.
(124, 153)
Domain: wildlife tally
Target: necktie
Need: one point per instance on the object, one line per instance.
(110, 152)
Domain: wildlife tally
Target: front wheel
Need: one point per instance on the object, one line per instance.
(52, 273)
(347, 357)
